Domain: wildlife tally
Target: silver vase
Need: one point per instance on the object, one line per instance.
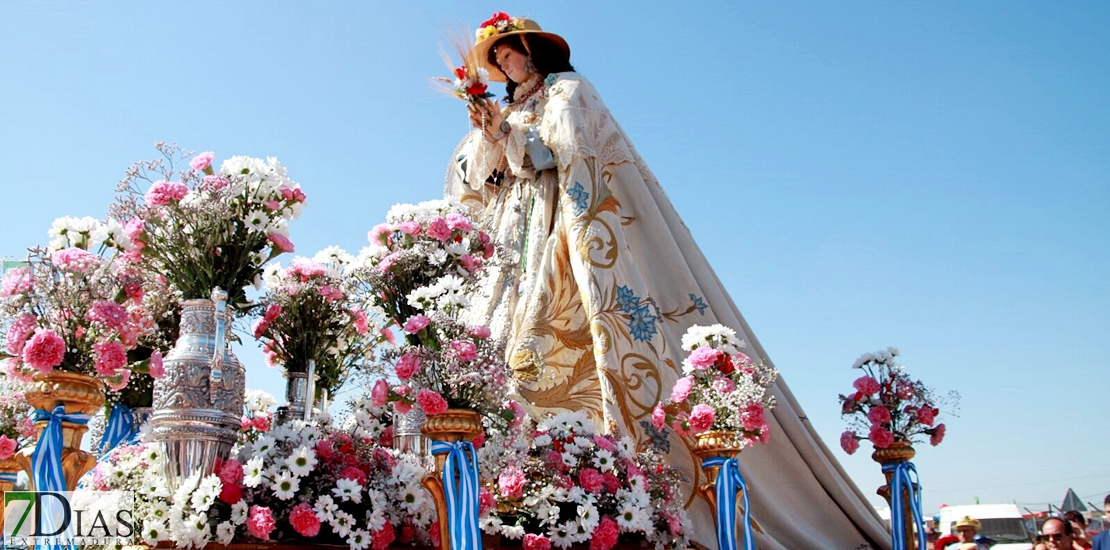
(408, 435)
(198, 403)
(296, 397)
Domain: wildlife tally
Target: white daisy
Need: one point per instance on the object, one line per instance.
(359, 539)
(342, 523)
(325, 509)
(154, 531)
(252, 472)
(348, 489)
(225, 531)
(239, 512)
(603, 460)
(302, 461)
(285, 485)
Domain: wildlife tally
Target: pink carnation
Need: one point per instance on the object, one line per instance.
(231, 493)
(536, 542)
(281, 242)
(926, 415)
(937, 435)
(519, 413)
(723, 384)
(478, 331)
(880, 436)
(458, 221)
(107, 313)
(162, 193)
(438, 230)
(409, 228)
(682, 389)
(379, 234)
(605, 535)
(157, 369)
(879, 415)
(358, 318)
(231, 472)
(431, 402)
(407, 366)
(7, 447)
(465, 351)
(202, 161)
(304, 520)
(704, 357)
(354, 474)
(44, 351)
(701, 418)
(469, 263)
(75, 259)
(753, 417)
(679, 427)
(591, 480)
(19, 331)
(261, 422)
(866, 385)
(260, 522)
(486, 501)
(415, 324)
(382, 538)
(511, 482)
(16, 281)
(379, 396)
(658, 417)
(110, 357)
(119, 380)
(848, 442)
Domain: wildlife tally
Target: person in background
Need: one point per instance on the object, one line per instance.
(1079, 529)
(966, 528)
(1102, 541)
(1057, 534)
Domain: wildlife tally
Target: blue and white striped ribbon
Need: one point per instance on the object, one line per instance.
(46, 461)
(729, 481)
(904, 480)
(9, 477)
(121, 427)
(460, 484)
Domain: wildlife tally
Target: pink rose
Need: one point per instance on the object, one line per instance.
(702, 417)
(107, 313)
(304, 520)
(605, 535)
(260, 522)
(536, 542)
(465, 351)
(880, 436)
(936, 435)
(407, 366)
(438, 230)
(658, 417)
(379, 396)
(409, 228)
(75, 259)
(682, 389)
(866, 385)
(926, 415)
(431, 402)
(458, 221)
(591, 480)
(202, 161)
(415, 324)
(704, 357)
(511, 482)
(110, 358)
(879, 415)
(848, 442)
(478, 331)
(7, 447)
(281, 242)
(44, 351)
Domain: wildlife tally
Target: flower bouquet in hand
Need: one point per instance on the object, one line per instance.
(312, 312)
(73, 309)
(888, 405)
(204, 228)
(722, 390)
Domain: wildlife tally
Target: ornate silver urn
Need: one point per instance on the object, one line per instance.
(198, 403)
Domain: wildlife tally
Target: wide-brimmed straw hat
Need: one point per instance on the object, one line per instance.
(968, 521)
(499, 26)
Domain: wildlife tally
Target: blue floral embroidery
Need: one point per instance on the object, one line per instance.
(626, 299)
(659, 439)
(699, 303)
(642, 323)
(580, 197)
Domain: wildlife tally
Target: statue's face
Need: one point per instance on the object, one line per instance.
(512, 63)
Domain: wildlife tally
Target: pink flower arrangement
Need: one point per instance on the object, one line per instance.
(888, 405)
(260, 522)
(722, 389)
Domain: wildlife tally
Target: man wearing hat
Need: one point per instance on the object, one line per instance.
(966, 528)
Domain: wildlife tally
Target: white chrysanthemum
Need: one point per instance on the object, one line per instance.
(348, 489)
(325, 509)
(302, 461)
(342, 523)
(239, 512)
(423, 297)
(631, 517)
(490, 524)
(542, 440)
(413, 497)
(376, 519)
(588, 517)
(285, 485)
(206, 493)
(252, 472)
(604, 461)
(158, 511)
(264, 446)
(258, 400)
(257, 221)
(225, 532)
(512, 532)
(153, 532)
(359, 539)
(569, 459)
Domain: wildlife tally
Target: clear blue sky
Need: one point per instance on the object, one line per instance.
(929, 175)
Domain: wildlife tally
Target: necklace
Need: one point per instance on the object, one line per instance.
(520, 95)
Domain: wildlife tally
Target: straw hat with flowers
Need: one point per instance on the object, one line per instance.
(500, 26)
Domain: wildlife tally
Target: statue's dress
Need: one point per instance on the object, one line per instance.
(599, 281)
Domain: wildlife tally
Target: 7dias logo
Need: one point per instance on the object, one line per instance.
(103, 518)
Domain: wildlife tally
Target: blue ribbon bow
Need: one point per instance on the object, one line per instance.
(121, 427)
(9, 477)
(460, 484)
(729, 481)
(46, 460)
(904, 480)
